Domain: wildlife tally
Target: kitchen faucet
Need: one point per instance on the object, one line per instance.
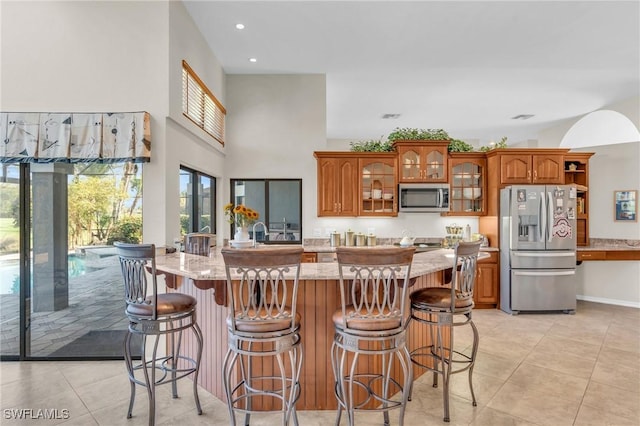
(255, 239)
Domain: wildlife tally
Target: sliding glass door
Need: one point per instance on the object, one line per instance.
(67, 300)
(10, 254)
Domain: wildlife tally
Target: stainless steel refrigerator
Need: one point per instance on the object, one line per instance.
(538, 248)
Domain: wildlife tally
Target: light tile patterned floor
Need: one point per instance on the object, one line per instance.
(544, 369)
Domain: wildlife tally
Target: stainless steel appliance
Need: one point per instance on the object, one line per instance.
(423, 197)
(538, 248)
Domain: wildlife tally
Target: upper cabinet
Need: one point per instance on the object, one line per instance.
(337, 184)
(467, 172)
(422, 161)
(357, 183)
(530, 168)
(378, 184)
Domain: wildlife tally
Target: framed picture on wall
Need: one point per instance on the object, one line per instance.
(626, 205)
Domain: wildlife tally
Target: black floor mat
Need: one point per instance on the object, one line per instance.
(99, 343)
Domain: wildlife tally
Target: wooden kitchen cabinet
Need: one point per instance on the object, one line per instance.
(422, 161)
(576, 172)
(528, 168)
(309, 257)
(338, 176)
(485, 293)
(357, 183)
(378, 184)
(467, 172)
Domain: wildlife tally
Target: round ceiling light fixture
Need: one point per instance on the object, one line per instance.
(253, 60)
(240, 26)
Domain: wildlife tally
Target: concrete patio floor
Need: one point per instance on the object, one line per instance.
(96, 302)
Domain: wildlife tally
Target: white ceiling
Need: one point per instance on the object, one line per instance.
(463, 66)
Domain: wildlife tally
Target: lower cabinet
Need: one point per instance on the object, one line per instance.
(485, 293)
(309, 257)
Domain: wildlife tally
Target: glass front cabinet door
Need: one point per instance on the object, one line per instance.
(467, 178)
(422, 161)
(378, 185)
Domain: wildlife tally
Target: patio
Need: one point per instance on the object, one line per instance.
(95, 303)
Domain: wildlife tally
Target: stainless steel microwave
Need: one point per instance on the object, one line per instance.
(423, 197)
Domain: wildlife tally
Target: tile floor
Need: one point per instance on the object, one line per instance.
(543, 369)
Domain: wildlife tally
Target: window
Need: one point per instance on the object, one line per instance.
(279, 204)
(197, 202)
(200, 106)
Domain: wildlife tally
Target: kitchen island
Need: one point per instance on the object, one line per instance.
(318, 297)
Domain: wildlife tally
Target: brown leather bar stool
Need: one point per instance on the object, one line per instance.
(442, 309)
(262, 288)
(371, 322)
(153, 315)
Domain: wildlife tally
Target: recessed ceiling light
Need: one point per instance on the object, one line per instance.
(253, 60)
(522, 117)
(240, 26)
(390, 116)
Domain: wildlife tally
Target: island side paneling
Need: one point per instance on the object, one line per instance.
(317, 300)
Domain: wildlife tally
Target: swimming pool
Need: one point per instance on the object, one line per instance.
(10, 273)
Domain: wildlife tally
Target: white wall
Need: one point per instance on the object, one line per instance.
(612, 167)
(274, 123)
(117, 56)
(92, 57)
(186, 144)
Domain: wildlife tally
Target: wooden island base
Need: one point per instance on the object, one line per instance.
(317, 301)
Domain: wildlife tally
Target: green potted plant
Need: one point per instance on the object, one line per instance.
(457, 145)
(372, 145)
(413, 134)
(501, 144)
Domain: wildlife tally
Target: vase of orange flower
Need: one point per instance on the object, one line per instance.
(241, 217)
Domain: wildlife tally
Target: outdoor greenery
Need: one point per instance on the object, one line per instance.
(9, 235)
(127, 230)
(103, 204)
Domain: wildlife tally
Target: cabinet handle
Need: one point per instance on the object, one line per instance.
(586, 255)
(528, 174)
(535, 175)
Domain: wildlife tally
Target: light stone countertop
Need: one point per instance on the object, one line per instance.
(212, 267)
(610, 244)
